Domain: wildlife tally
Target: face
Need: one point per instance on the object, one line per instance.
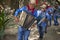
(31, 6)
(43, 9)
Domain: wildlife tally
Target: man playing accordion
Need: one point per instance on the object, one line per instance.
(23, 33)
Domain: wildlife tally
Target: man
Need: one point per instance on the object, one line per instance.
(49, 13)
(56, 13)
(23, 33)
(41, 21)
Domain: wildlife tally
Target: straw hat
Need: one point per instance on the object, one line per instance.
(43, 6)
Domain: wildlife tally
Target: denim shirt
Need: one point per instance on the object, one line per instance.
(51, 9)
(40, 15)
(49, 16)
(25, 9)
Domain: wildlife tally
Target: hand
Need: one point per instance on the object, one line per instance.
(16, 19)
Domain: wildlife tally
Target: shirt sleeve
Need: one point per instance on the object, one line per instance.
(19, 10)
(35, 14)
(38, 13)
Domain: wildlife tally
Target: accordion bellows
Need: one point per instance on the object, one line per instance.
(26, 19)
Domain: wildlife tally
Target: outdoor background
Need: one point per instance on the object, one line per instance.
(8, 28)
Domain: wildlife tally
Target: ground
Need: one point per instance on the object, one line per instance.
(52, 33)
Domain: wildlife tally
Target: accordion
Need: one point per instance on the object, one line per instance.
(26, 19)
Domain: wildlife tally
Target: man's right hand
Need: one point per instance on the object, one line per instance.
(16, 19)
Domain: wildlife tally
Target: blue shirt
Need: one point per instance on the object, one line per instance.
(25, 9)
(51, 9)
(40, 15)
(49, 16)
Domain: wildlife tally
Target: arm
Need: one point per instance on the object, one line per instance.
(43, 19)
(17, 13)
(19, 10)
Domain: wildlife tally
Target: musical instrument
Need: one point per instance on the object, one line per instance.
(26, 19)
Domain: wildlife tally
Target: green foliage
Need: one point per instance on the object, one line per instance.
(1, 19)
(3, 23)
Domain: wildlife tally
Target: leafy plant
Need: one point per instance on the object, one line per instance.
(3, 23)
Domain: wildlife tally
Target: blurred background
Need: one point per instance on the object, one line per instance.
(8, 28)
